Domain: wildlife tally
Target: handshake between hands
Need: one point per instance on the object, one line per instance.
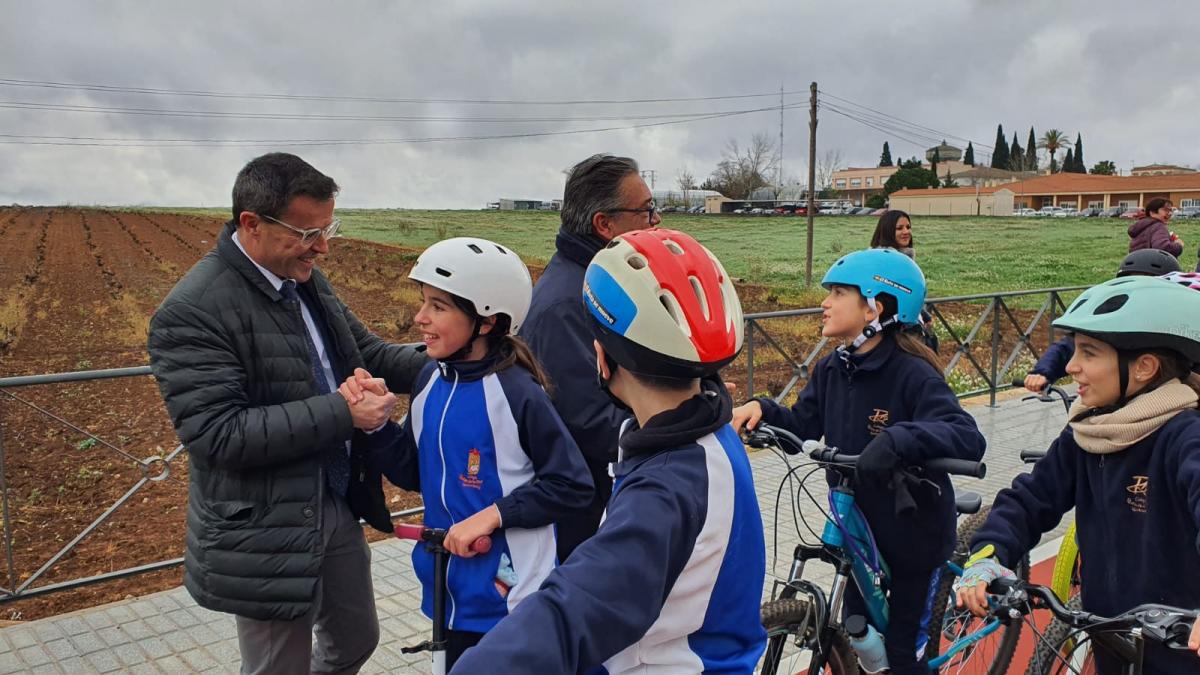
(370, 401)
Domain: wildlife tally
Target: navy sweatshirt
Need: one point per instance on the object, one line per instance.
(1053, 364)
(673, 579)
(471, 440)
(888, 390)
(1137, 513)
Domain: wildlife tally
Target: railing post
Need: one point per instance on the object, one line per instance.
(996, 302)
(11, 584)
(748, 335)
(1053, 313)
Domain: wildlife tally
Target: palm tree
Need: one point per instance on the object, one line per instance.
(1053, 141)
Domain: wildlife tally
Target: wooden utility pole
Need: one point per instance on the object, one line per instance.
(812, 182)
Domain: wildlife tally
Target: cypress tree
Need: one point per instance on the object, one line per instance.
(1016, 156)
(1031, 152)
(969, 155)
(885, 159)
(1080, 167)
(1000, 154)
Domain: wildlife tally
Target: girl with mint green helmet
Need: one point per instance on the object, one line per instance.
(1128, 463)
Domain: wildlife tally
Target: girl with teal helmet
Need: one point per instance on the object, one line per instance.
(883, 396)
(1128, 462)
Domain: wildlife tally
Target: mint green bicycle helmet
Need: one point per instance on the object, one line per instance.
(1134, 314)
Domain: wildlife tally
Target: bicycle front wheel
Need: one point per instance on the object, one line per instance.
(977, 648)
(1062, 650)
(789, 621)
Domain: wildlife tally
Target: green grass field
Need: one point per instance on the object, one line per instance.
(959, 255)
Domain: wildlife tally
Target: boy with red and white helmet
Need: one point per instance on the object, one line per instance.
(673, 579)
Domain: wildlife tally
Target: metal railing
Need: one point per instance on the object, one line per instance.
(153, 469)
(996, 308)
(157, 468)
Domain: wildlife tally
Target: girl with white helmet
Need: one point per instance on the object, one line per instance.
(882, 395)
(1128, 462)
(482, 441)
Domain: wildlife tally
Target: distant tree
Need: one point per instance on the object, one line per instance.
(949, 182)
(1031, 152)
(885, 159)
(1000, 153)
(742, 171)
(969, 155)
(827, 165)
(1016, 156)
(933, 161)
(876, 202)
(1080, 167)
(1053, 141)
(1069, 162)
(1104, 168)
(913, 177)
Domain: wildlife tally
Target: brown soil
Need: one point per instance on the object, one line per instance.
(77, 288)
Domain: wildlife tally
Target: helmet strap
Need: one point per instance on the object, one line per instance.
(871, 330)
(603, 383)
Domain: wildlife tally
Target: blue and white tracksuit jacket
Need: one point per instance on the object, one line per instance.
(672, 581)
(472, 440)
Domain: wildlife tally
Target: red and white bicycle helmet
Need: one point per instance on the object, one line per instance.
(1186, 279)
(663, 306)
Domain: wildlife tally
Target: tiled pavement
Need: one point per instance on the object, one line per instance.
(168, 633)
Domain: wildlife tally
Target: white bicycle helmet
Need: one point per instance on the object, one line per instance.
(491, 276)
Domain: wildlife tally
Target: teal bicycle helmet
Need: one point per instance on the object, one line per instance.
(1134, 314)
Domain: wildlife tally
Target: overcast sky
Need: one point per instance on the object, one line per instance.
(1122, 73)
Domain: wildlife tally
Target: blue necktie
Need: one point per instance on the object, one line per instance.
(335, 461)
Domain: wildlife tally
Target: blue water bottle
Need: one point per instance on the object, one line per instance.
(867, 643)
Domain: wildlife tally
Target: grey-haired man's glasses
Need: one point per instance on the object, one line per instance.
(649, 211)
(307, 237)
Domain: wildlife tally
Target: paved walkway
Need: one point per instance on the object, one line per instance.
(168, 633)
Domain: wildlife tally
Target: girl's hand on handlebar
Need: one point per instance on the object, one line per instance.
(1194, 640)
(461, 535)
(747, 415)
(1036, 383)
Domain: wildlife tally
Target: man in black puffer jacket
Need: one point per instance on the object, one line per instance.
(248, 350)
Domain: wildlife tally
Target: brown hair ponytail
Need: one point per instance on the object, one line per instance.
(514, 352)
(908, 337)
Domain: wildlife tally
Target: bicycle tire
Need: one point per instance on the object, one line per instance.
(947, 621)
(1057, 639)
(1064, 565)
(782, 618)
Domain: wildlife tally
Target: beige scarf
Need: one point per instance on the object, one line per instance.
(1137, 419)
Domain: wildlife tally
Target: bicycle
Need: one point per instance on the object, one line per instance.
(801, 613)
(1071, 649)
(434, 540)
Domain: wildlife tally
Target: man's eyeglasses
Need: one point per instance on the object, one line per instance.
(649, 211)
(307, 237)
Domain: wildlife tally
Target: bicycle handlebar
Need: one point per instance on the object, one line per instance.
(437, 536)
(1029, 455)
(1170, 626)
(766, 435)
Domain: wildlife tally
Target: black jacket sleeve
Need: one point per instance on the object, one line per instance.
(562, 343)
(1033, 505)
(563, 484)
(203, 383)
(1053, 364)
(939, 427)
(805, 418)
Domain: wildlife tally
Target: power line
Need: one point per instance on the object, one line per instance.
(320, 117)
(43, 84)
(921, 140)
(18, 139)
(938, 133)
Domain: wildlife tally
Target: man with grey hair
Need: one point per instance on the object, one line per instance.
(605, 196)
(248, 350)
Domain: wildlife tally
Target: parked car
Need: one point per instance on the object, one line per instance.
(739, 211)
(1048, 210)
(1065, 213)
(1025, 212)
(1133, 214)
(878, 212)
(1188, 212)
(1112, 212)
